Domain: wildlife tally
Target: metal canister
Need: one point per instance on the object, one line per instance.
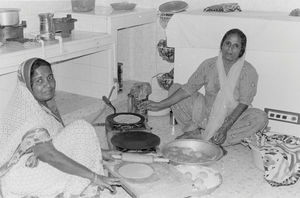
(9, 16)
(47, 29)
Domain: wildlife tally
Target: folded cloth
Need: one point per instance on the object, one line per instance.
(224, 7)
(295, 12)
(279, 153)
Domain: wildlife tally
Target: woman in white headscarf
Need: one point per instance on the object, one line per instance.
(221, 115)
(40, 157)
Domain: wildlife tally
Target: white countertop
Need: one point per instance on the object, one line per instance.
(78, 44)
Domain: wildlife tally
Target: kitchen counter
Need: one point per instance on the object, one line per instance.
(133, 32)
(82, 64)
(80, 43)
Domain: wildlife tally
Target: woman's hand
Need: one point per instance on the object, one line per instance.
(153, 106)
(220, 137)
(107, 154)
(107, 182)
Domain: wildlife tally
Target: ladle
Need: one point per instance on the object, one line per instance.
(108, 103)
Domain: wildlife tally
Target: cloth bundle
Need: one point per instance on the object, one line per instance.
(280, 158)
(295, 12)
(139, 93)
(224, 7)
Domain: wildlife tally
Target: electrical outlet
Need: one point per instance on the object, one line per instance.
(284, 116)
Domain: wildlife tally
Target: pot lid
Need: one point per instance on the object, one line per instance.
(173, 6)
(9, 10)
(135, 140)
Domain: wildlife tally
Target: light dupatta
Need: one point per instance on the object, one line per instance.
(224, 103)
(23, 113)
(22, 126)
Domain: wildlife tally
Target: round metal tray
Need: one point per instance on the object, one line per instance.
(211, 152)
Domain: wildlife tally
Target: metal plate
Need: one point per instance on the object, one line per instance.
(205, 179)
(192, 152)
(173, 6)
(135, 140)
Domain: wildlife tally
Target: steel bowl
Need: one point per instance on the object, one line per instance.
(192, 152)
(123, 6)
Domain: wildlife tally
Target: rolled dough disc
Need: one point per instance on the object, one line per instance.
(127, 119)
(135, 171)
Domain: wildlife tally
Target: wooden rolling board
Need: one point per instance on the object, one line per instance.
(165, 182)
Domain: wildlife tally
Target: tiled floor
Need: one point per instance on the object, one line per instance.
(241, 179)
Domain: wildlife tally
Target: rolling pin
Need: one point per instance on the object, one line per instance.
(134, 157)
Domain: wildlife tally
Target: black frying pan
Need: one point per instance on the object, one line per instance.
(135, 140)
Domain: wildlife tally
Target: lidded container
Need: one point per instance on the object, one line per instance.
(47, 30)
(83, 5)
(9, 16)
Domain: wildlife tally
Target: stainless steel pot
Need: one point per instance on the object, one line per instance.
(192, 152)
(9, 16)
(47, 29)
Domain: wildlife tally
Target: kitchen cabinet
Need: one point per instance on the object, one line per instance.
(134, 34)
(82, 63)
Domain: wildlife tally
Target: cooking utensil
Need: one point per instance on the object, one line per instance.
(107, 102)
(102, 110)
(9, 16)
(12, 32)
(47, 30)
(173, 7)
(64, 25)
(192, 152)
(141, 158)
(135, 140)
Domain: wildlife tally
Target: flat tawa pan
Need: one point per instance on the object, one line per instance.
(135, 140)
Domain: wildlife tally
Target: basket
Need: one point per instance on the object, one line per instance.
(164, 18)
(83, 5)
(167, 53)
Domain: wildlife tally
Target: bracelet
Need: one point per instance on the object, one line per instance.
(94, 178)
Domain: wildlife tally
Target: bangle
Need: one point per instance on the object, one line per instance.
(94, 178)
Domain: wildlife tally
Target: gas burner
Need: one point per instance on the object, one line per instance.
(12, 31)
(141, 151)
(21, 40)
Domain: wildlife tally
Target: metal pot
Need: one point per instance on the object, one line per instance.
(47, 29)
(192, 152)
(9, 16)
